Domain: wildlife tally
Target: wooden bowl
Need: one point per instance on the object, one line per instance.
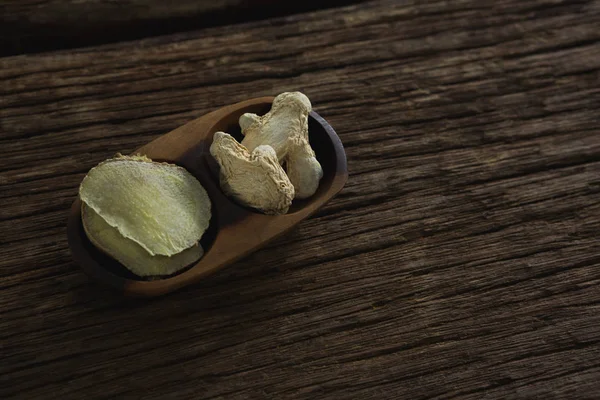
(234, 231)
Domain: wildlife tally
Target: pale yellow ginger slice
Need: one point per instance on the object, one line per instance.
(129, 253)
(159, 206)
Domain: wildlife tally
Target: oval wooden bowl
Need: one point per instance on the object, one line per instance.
(235, 231)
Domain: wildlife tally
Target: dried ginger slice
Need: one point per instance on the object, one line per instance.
(159, 206)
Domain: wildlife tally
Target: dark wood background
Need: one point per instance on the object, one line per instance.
(461, 261)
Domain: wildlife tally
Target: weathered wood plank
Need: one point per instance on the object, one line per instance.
(460, 261)
(28, 26)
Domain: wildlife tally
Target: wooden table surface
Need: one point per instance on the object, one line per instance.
(461, 260)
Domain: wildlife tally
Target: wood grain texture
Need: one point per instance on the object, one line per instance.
(461, 260)
(41, 25)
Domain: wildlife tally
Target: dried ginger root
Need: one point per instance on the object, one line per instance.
(253, 180)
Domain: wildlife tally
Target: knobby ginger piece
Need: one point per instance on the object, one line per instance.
(159, 206)
(285, 129)
(249, 171)
(133, 256)
(255, 179)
